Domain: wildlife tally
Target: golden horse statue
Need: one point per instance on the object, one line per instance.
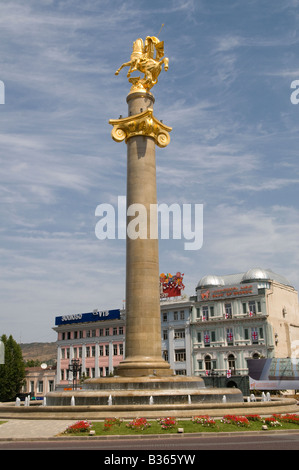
(142, 59)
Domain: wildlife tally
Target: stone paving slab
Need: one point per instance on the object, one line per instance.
(32, 429)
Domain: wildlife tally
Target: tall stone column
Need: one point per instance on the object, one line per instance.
(142, 132)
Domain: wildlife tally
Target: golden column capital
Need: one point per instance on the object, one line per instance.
(141, 124)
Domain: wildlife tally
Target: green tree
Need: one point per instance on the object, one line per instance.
(12, 372)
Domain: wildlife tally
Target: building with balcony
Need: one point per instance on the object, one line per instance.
(176, 334)
(231, 318)
(242, 316)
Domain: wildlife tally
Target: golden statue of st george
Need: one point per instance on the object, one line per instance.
(143, 60)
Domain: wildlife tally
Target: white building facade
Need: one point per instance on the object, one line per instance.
(242, 316)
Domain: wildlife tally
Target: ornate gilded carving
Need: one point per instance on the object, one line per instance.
(140, 124)
(142, 59)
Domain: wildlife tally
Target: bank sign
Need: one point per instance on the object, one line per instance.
(96, 315)
(228, 292)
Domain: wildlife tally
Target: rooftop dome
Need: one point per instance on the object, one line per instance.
(210, 281)
(255, 274)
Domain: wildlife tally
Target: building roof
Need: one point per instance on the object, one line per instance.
(252, 275)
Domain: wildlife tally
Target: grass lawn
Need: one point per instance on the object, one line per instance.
(171, 425)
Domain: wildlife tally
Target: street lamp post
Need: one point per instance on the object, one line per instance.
(75, 367)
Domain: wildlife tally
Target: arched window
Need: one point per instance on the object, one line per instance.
(232, 363)
(208, 362)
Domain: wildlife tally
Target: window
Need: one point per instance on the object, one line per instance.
(164, 317)
(93, 351)
(115, 350)
(206, 338)
(199, 336)
(165, 355)
(101, 332)
(180, 355)
(261, 333)
(198, 313)
(107, 350)
(114, 331)
(121, 349)
(101, 352)
(75, 334)
(199, 364)
(208, 362)
(244, 306)
(259, 308)
(182, 315)
(254, 336)
(205, 312)
(87, 351)
(231, 363)
(229, 336)
(165, 334)
(120, 330)
(213, 336)
(175, 316)
(212, 311)
(106, 331)
(228, 310)
(178, 334)
(252, 308)
(40, 386)
(246, 333)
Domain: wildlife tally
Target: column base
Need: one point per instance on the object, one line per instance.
(138, 366)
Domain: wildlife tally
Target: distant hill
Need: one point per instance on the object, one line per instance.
(44, 352)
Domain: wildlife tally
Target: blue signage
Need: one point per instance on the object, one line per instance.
(96, 315)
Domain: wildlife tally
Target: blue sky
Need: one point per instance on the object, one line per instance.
(234, 145)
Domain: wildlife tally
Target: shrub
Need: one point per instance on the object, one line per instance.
(253, 417)
(204, 420)
(139, 424)
(288, 418)
(109, 422)
(79, 426)
(238, 420)
(167, 423)
(272, 422)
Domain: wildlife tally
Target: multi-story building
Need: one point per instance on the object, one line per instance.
(176, 337)
(242, 316)
(96, 339)
(231, 319)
